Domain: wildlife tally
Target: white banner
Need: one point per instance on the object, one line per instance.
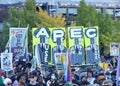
(60, 59)
(6, 61)
(114, 49)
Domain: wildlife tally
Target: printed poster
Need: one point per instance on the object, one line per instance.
(59, 60)
(6, 61)
(76, 45)
(114, 49)
(58, 41)
(92, 44)
(18, 43)
(41, 37)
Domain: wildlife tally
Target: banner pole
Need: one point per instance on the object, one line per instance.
(6, 74)
(114, 61)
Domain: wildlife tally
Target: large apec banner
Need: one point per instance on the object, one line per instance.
(76, 45)
(18, 43)
(91, 44)
(50, 41)
(41, 37)
(58, 41)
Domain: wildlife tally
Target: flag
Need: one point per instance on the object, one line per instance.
(63, 60)
(118, 71)
(68, 74)
(37, 55)
(24, 41)
(36, 59)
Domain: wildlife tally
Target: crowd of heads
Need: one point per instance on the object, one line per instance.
(89, 75)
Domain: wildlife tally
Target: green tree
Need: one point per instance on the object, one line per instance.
(105, 24)
(116, 31)
(108, 28)
(21, 17)
(49, 20)
(87, 15)
(4, 36)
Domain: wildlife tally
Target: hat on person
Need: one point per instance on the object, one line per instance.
(33, 73)
(7, 80)
(105, 82)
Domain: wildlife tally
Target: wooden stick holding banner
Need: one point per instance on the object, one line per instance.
(27, 41)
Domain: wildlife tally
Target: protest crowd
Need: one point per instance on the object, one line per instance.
(23, 75)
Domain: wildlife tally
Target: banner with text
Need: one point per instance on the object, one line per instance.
(41, 37)
(58, 41)
(60, 59)
(76, 45)
(18, 41)
(114, 49)
(50, 41)
(6, 61)
(92, 44)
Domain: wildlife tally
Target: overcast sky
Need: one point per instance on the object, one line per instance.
(16, 1)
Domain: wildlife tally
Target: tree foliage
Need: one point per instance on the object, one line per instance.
(49, 20)
(108, 28)
(87, 15)
(4, 36)
(22, 16)
(105, 28)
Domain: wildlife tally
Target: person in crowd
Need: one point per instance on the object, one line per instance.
(1, 77)
(60, 83)
(113, 77)
(33, 79)
(41, 81)
(107, 75)
(52, 81)
(17, 71)
(21, 78)
(41, 76)
(90, 77)
(7, 82)
(26, 71)
(39, 71)
(61, 80)
(52, 70)
(99, 79)
(76, 77)
(101, 71)
(11, 75)
(83, 81)
(107, 82)
(78, 72)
